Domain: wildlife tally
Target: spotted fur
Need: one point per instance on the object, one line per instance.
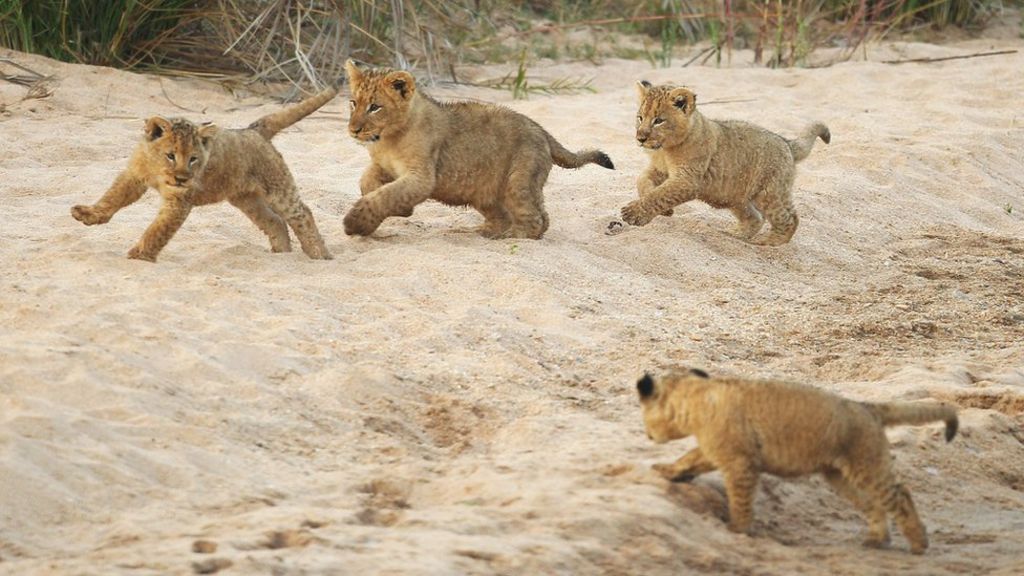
(727, 164)
(460, 154)
(746, 427)
(192, 165)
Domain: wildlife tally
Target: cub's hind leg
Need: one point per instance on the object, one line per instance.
(255, 207)
(895, 499)
(496, 220)
(125, 190)
(775, 201)
(878, 522)
(283, 198)
(524, 199)
(649, 179)
(871, 474)
(750, 220)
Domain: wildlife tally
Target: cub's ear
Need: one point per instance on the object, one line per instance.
(643, 87)
(206, 133)
(699, 373)
(684, 100)
(156, 127)
(355, 75)
(402, 82)
(645, 386)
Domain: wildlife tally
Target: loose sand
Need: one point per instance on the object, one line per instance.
(431, 402)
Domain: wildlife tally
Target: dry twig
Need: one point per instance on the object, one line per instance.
(944, 58)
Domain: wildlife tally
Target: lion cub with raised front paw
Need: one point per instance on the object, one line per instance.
(727, 164)
(746, 427)
(458, 153)
(191, 165)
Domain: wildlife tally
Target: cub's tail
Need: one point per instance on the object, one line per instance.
(801, 146)
(567, 159)
(273, 123)
(916, 413)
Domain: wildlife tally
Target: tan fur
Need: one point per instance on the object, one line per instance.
(746, 427)
(460, 153)
(191, 165)
(729, 164)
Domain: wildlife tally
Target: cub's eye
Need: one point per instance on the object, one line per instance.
(639, 118)
(352, 104)
(659, 121)
(192, 160)
(373, 108)
(170, 156)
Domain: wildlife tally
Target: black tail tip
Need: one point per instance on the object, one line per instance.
(826, 136)
(603, 160)
(645, 385)
(699, 373)
(952, 426)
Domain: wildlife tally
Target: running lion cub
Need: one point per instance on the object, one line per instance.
(192, 165)
(746, 427)
(727, 164)
(458, 153)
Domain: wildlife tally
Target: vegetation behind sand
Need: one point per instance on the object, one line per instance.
(305, 42)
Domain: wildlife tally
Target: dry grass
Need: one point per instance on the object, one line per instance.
(302, 44)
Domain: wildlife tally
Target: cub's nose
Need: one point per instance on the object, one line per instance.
(179, 180)
(641, 138)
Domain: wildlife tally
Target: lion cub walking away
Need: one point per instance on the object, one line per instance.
(191, 165)
(730, 164)
(746, 427)
(458, 153)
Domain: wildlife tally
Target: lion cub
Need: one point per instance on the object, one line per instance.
(458, 153)
(729, 164)
(746, 427)
(191, 165)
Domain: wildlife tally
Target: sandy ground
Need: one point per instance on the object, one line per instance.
(431, 402)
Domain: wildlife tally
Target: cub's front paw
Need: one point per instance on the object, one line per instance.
(360, 220)
(669, 472)
(137, 253)
(88, 216)
(634, 214)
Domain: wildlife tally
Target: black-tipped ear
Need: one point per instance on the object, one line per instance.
(400, 86)
(645, 386)
(684, 99)
(156, 126)
(645, 83)
(698, 372)
(402, 82)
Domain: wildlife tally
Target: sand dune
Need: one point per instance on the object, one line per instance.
(431, 402)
